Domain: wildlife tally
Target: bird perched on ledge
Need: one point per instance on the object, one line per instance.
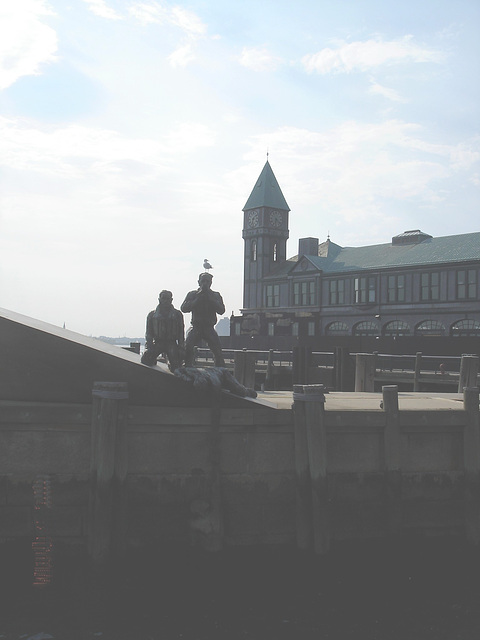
(206, 265)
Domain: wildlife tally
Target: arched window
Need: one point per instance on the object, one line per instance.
(430, 328)
(396, 328)
(366, 328)
(337, 329)
(253, 250)
(275, 252)
(465, 328)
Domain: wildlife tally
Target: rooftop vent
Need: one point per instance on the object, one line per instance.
(410, 237)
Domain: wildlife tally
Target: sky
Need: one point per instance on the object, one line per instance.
(133, 131)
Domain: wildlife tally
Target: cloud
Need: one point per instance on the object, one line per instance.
(187, 21)
(162, 13)
(149, 13)
(26, 42)
(75, 151)
(363, 56)
(259, 59)
(101, 9)
(188, 136)
(74, 191)
(389, 94)
(465, 155)
(68, 151)
(368, 173)
(182, 56)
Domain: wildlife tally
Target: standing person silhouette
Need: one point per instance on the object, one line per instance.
(204, 304)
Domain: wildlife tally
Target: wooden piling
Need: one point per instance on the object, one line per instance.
(365, 372)
(214, 539)
(341, 356)
(244, 368)
(313, 399)
(392, 460)
(471, 452)
(269, 384)
(416, 373)
(303, 488)
(301, 360)
(107, 522)
(468, 372)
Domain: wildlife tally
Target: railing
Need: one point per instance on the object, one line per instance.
(262, 358)
(407, 363)
(268, 369)
(417, 370)
(281, 369)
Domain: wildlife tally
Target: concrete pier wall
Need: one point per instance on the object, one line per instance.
(216, 477)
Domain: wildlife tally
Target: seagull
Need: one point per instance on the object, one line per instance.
(206, 265)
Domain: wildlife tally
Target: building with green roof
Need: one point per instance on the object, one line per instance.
(414, 285)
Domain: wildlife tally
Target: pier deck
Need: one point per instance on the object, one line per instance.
(359, 401)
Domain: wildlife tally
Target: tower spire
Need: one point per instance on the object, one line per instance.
(267, 192)
(265, 231)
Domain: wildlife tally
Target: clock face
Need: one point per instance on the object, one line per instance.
(253, 219)
(276, 219)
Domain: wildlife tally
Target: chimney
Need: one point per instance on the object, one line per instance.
(308, 247)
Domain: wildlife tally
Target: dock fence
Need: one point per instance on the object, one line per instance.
(343, 371)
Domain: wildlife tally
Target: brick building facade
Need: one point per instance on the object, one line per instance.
(414, 285)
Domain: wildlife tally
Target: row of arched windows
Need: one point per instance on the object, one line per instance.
(397, 328)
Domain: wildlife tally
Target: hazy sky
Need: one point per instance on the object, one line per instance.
(132, 133)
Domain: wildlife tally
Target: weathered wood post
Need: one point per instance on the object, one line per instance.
(301, 359)
(215, 529)
(244, 367)
(269, 379)
(340, 363)
(416, 373)
(337, 368)
(250, 362)
(239, 365)
(107, 520)
(392, 461)
(471, 453)
(365, 372)
(468, 372)
(312, 414)
(302, 472)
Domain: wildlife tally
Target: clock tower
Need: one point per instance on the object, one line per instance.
(265, 232)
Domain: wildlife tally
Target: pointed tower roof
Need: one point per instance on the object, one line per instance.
(266, 192)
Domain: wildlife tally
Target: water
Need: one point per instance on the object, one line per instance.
(417, 590)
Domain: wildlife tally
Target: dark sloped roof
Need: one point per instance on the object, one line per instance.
(266, 192)
(429, 252)
(283, 269)
(459, 248)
